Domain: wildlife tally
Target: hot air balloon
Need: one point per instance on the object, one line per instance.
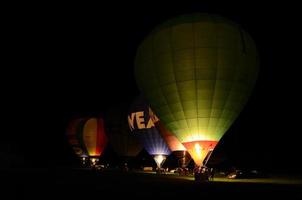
(124, 143)
(72, 137)
(173, 143)
(87, 138)
(143, 127)
(197, 72)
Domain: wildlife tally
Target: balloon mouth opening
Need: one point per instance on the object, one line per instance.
(159, 159)
(199, 150)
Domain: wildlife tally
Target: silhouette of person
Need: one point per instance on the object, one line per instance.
(212, 173)
(197, 173)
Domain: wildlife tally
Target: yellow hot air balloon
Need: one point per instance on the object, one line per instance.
(197, 71)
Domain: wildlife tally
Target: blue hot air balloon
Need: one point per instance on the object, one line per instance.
(143, 127)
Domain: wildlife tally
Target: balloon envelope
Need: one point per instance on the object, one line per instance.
(143, 127)
(197, 71)
(87, 136)
(124, 143)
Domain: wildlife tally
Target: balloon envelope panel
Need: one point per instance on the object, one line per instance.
(172, 142)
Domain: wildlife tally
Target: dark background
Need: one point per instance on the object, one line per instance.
(64, 61)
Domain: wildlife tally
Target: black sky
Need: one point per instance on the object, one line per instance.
(68, 61)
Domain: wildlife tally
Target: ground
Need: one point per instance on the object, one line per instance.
(85, 184)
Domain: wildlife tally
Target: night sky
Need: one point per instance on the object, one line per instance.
(67, 61)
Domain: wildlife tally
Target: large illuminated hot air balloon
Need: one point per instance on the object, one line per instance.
(124, 143)
(143, 127)
(173, 143)
(87, 138)
(197, 72)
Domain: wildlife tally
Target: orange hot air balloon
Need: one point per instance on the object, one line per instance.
(87, 137)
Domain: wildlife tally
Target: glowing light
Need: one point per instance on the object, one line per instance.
(159, 159)
(198, 154)
(199, 150)
(83, 160)
(94, 161)
(195, 136)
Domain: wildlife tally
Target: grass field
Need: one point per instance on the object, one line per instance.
(86, 184)
(274, 179)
